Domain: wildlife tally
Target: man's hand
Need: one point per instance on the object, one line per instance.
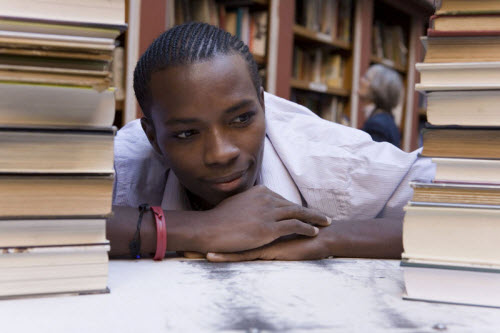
(375, 238)
(300, 248)
(255, 218)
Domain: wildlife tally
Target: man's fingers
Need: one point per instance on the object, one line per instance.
(194, 255)
(293, 226)
(304, 214)
(232, 257)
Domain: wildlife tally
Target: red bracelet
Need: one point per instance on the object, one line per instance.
(161, 233)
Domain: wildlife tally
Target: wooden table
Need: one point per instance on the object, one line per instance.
(178, 295)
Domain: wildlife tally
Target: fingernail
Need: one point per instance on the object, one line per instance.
(316, 231)
(328, 220)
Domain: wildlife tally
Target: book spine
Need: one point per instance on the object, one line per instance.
(463, 33)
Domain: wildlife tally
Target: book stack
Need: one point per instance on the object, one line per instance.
(451, 229)
(56, 144)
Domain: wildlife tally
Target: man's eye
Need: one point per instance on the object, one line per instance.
(244, 118)
(185, 134)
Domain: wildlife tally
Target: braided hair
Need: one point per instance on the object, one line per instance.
(187, 44)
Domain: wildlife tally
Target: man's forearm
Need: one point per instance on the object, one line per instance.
(375, 238)
(182, 231)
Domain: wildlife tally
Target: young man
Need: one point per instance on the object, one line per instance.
(236, 169)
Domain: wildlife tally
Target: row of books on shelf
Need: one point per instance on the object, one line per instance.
(56, 143)
(451, 230)
(332, 108)
(331, 18)
(249, 25)
(318, 66)
(389, 43)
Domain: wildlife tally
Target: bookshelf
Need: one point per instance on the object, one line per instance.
(322, 52)
(287, 30)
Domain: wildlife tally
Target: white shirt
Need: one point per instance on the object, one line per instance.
(310, 161)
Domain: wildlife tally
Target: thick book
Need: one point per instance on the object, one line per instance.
(51, 105)
(480, 194)
(464, 25)
(475, 74)
(466, 170)
(32, 40)
(59, 54)
(462, 49)
(44, 231)
(78, 11)
(443, 282)
(54, 63)
(452, 232)
(56, 150)
(55, 195)
(46, 270)
(464, 108)
(99, 83)
(461, 142)
(58, 27)
(456, 7)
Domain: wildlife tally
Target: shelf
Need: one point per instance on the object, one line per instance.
(319, 87)
(302, 33)
(389, 63)
(244, 3)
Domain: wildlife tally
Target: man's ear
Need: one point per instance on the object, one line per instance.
(149, 129)
(261, 99)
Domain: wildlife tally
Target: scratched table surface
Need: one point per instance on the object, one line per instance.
(181, 295)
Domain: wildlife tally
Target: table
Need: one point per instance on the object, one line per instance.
(182, 295)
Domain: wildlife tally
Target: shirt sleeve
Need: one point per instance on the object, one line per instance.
(340, 170)
(422, 170)
(140, 174)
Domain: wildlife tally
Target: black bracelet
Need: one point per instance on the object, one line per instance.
(135, 244)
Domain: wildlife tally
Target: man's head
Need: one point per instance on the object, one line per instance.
(200, 92)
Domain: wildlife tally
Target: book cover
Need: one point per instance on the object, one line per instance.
(469, 284)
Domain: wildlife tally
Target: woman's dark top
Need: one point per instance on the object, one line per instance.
(382, 128)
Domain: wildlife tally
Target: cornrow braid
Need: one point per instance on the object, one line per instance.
(187, 44)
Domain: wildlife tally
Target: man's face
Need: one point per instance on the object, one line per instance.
(209, 125)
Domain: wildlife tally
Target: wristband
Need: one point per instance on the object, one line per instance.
(135, 244)
(161, 233)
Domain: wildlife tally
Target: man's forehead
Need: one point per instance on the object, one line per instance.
(218, 80)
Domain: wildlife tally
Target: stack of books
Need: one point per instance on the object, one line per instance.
(451, 229)
(56, 144)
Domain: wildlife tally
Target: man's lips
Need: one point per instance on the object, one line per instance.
(228, 183)
(226, 179)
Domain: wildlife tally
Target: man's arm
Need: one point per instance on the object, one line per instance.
(375, 238)
(245, 221)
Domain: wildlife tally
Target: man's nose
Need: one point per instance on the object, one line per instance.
(219, 149)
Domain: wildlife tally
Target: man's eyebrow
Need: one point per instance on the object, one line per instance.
(230, 109)
(238, 106)
(175, 121)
